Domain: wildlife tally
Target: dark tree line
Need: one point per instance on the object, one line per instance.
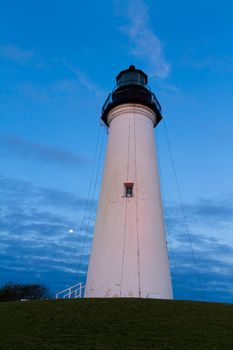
(10, 292)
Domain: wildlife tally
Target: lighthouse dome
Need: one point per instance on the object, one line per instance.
(131, 76)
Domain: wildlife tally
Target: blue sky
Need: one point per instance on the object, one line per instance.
(58, 62)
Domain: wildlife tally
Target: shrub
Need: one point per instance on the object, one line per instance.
(10, 292)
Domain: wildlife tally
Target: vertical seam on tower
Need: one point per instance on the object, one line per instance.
(126, 202)
(136, 187)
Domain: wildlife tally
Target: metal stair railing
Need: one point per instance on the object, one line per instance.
(75, 291)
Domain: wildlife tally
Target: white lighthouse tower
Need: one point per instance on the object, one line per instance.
(129, 256)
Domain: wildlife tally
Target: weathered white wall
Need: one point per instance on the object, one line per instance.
(129, 255)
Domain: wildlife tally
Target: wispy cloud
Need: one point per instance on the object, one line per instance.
(15, 145)
(63, 199)
(215, 63)
(212, 213)
(38, 92)
(84, 80)
(13, 192)
(15, 53)
(215, 210)
(143, 42)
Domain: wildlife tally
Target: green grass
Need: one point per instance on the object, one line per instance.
(115, 324)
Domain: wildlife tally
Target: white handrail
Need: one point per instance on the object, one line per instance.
(74, 291)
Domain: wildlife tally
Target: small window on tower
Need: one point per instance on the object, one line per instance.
(129, 189)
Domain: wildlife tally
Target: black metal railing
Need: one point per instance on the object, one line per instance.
(150, 97)
(107, 102)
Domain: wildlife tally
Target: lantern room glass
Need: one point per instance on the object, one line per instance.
(131, 78)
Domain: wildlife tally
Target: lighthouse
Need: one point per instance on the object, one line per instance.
(129, 256)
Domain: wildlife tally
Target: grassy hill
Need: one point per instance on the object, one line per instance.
(115, 324)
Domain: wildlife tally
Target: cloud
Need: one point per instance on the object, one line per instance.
(144, 43)
(210, 278)
(63, 199)
(215, 63)
(34, 212)
(201, 268)
(15, 145)
(38, 92)
(13, 192)
(35, 242)
(206, 250)
(85, 81)
(66, 87)
(15, 53)
(212, 209)
(214, 213)
(12, 186)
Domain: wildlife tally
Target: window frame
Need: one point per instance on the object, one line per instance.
(128, 189)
